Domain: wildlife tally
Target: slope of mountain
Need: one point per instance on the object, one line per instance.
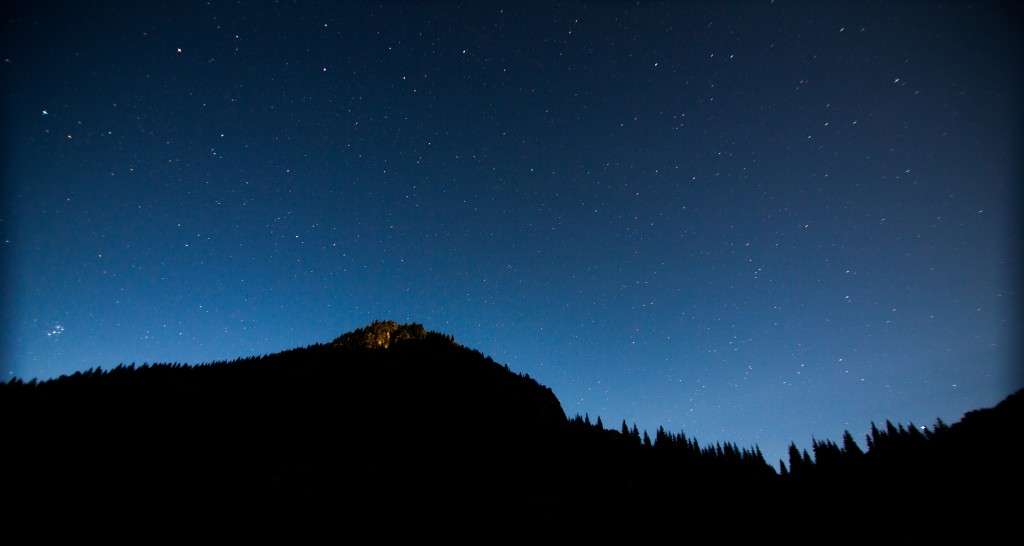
(411, 414)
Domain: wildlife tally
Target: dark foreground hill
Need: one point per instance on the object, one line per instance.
(393, 423)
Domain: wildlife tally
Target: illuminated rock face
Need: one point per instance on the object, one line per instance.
(380, 334)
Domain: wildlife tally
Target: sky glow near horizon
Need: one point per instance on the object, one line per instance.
(755, 222)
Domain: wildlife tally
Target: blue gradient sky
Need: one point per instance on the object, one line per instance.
(754, 222)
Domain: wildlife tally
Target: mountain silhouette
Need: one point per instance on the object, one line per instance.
(395, 421)
(393, 414)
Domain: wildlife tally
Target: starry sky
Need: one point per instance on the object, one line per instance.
(756, 222)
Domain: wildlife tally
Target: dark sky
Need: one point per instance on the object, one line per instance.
(753, 222)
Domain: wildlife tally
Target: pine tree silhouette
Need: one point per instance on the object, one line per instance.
(850, 448)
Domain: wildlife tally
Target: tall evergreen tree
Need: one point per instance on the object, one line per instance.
(850, 447)
(875, 438)
(796, 463)
(661, 438)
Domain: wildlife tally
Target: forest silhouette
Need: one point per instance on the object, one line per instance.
(396, 422)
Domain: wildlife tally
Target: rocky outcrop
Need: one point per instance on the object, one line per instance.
(380, 334)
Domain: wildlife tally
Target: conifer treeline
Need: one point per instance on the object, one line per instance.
(889, 446)
(677, 448)
(396, 410)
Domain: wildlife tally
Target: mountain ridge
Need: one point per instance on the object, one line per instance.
(400, 416)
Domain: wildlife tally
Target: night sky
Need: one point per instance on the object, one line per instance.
(755, 222)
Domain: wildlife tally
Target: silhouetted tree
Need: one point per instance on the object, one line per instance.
(850, 448)
(826, 453)
(661, 438)
(796, 462)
